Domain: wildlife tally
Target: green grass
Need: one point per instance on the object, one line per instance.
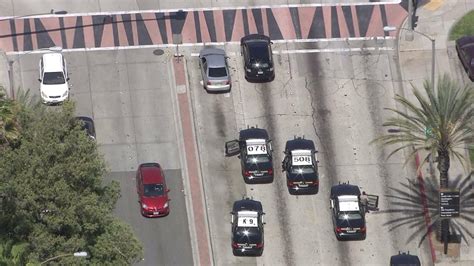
(464, 27)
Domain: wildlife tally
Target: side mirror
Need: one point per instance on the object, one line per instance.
(39, 80)
(67, 79)
(168, 190)
(271, 42)
(169, 199)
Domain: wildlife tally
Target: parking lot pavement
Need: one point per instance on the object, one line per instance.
(336, 99)
(130, 97)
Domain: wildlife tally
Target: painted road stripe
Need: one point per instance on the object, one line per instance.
(282, 25)
(204, 9)
(156, 46)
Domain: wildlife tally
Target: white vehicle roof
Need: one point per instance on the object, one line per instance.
(348, 203)
(247, 219)
(53, 62)
(301, 157)
(256, 146)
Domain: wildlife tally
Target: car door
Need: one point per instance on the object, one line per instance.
(41, 70)
(203, 64)
(139, 186)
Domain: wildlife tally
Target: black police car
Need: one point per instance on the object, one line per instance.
(301, 166)
(404, 259)
(347, 213)
(258, 58)
(255, 152)
(247, 227)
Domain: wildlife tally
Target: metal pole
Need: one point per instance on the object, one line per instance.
(433, 52)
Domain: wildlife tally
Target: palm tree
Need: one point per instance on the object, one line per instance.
(9, 127)
(440, 121)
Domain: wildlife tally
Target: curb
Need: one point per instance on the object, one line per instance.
(426, 213)
(417, 158)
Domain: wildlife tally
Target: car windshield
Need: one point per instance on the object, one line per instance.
(53, 78)
(255, 159)
(349, 216)
(153, 190)
(249, 235)
(302, 170)
(259, 54)
(217, 72)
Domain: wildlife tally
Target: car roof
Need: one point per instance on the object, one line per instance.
(404, 259)
(253, 133)
(53, 62)
(151, 173)
(85, 119)
(345, 189)
(299, 144)
(247, 205)
(465, 40)
(255, 38)
(215, 57)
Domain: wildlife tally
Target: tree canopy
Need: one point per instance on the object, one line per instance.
(53, 198)
(440, 121)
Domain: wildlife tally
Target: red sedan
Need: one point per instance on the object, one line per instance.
(152, 190)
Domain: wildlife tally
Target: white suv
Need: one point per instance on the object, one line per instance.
(54, 87)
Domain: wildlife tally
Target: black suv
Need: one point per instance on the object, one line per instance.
(404, 259)
(348, 215)
(87, 124)
(255, 152)
(258, 58)
(247, 228)
(301, 166)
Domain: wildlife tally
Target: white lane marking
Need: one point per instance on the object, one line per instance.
(388, 2)
(308, 51)
(200, 44)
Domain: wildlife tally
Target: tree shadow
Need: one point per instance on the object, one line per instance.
(416, 204)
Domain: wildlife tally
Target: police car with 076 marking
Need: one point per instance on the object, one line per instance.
(255, 153)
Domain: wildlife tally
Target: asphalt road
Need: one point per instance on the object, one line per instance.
(128, 94)
(338, 100)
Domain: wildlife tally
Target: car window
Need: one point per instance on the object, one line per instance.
(257, 159)
(302, 170)
(217, 72)
(152, 190)
(259, 53)
(53, 78)
(349, 216)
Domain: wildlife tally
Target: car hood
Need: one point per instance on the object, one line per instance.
(54, 89)
(156, 202)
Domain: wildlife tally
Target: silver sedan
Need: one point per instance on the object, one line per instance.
(214, 70)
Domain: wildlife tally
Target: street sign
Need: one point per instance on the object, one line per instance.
(449, 203)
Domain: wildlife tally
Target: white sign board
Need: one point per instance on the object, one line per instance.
(256, 146)
(301, 157)
(247, 219)
(348, 203)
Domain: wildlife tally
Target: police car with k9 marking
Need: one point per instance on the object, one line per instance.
(247, 227)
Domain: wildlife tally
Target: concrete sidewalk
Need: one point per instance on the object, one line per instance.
(436, 19)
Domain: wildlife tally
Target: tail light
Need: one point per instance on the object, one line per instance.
(270, 171)
(235, 245)
(316, 182)
(260, 245)
(247, 173)
(363, 229)
(338, 230)
(209, 83)
(227, 82)
(290, 183)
